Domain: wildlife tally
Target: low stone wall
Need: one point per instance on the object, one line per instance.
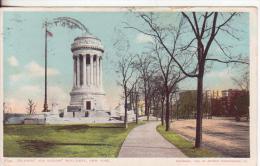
(26, 119)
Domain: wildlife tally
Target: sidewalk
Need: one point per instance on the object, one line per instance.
(145, 141)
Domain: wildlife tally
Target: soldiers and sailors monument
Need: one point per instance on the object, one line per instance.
(87, 97)
(87, 94)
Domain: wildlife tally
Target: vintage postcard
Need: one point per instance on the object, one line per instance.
(129, 85)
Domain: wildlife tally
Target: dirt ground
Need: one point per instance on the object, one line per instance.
(228, 137)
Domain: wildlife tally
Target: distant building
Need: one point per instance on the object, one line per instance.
(228, 99)
(215, 102)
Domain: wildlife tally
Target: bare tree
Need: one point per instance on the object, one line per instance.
(125, 71)
(242, 81)
(169, 71)
(205, 33)
(135, 97)
(158, 95)
(204, 29)
(143, 65)
(155, 94)
(241, 104)
(31, 107)
(124, 68)
(171, 76)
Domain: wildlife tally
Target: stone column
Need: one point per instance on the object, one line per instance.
(91, 69)
(97, 79)
(88, 70)
(95, 71)
(78, 70)
(84, 70)
(74, 72)
(101, 73)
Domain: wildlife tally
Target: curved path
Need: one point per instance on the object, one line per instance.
(145, 141)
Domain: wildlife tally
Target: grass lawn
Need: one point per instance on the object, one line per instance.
(184, 145)
(97, 140)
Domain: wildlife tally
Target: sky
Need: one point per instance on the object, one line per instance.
(24, 55)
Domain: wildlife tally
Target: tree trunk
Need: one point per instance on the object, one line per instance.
(125, 119)
(148, 110)
(136, 116)
(177, 111)
(136, 109)
(237, 114)
(167, 111)
(145, 101)
(162, 113)
(201, 61)
(171, 110)
(199, 111)
(157, 110)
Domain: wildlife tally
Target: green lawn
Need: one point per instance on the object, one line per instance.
(99, 140)
(184, 145)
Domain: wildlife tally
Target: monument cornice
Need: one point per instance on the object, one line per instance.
(87, 48)
(87, 42)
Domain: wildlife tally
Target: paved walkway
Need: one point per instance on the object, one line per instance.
(145, 141)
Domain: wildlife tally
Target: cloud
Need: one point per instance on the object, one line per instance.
(18, 99)
(58, 95)
(142, 38)
(15, 106)
(220, 79)
(213, 80)
(30, 88)
(13, 61)
(34, 69)
(15, 77)
(226, 73)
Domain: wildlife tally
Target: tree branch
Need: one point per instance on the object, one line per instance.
(228, 61)
(192, 26)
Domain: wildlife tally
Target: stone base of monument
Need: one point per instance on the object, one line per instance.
(55, 118)
(81, 117)
(86, 113)
(79, 120)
